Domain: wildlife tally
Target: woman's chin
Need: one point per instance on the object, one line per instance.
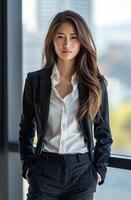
(66, 57)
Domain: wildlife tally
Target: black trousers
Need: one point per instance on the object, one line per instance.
(62, 177)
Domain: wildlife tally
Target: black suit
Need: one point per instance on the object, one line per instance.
(36, 98)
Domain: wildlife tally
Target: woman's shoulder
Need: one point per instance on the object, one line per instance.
(103, 83)
(36, 73)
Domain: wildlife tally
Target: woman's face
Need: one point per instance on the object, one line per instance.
(66, 42)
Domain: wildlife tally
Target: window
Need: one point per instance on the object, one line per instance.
(112, 30)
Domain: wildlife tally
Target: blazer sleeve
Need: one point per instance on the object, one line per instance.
(102, 134)
(27, 126)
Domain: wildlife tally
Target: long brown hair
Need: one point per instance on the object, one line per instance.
(87, 70)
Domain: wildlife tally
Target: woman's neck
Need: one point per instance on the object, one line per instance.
(66, 68)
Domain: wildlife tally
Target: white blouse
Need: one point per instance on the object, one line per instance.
(63, 134)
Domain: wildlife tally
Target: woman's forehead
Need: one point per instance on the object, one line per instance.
(66, 27)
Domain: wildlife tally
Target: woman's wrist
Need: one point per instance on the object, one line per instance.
(98, 177)
(26, 174)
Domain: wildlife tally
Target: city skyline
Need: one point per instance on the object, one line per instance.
(114, 12)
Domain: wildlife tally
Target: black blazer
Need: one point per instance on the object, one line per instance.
(36, 99)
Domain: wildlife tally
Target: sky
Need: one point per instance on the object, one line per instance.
(105, 12)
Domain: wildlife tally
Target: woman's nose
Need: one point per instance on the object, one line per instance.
(66, 43)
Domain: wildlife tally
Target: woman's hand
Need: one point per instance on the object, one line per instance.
(26, 175)
(98, 177)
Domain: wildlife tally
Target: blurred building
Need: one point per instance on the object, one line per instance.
(47, 9)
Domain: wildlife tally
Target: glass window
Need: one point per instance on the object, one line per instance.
(112, 31)
(116, 186)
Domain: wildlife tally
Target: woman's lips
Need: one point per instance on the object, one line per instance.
(66, 51)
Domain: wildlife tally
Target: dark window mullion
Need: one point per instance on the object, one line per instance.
(3, 103)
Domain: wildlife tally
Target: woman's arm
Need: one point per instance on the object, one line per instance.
(102, 134)
(27, 126)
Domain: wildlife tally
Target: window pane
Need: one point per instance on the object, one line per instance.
(116, 186)
(113, 35)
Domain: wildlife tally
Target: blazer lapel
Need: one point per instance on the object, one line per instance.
(45, 91)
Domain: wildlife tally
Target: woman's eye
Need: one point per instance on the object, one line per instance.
(74, 38)
(60, 36)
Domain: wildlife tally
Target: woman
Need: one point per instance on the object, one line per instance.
(67, 102)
